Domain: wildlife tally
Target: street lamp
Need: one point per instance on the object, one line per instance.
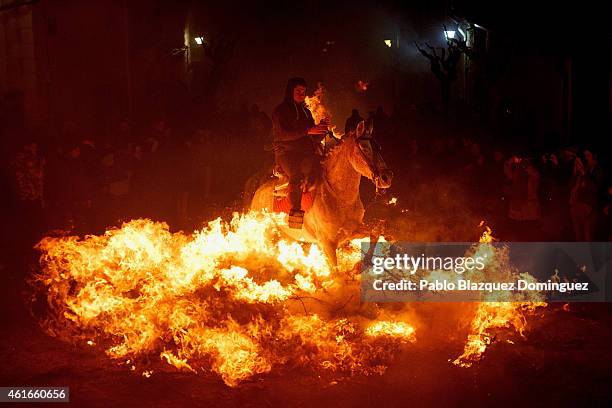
(388, 42)
(199, 40)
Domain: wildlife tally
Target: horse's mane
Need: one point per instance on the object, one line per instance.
(334, 150)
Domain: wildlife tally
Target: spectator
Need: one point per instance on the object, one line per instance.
(524, 196)
(381, 123)
(352, 121)
(260, 125)
(585, 183)
(606, 231)
(28, 169)
(71, 198)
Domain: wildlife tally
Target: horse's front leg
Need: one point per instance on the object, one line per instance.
(373, 234)
(329, 249)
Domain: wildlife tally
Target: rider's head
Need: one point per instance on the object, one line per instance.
(296, 90)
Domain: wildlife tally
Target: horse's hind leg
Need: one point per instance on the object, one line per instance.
(329, 248)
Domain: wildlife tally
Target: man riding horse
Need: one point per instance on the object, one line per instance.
(295, 134)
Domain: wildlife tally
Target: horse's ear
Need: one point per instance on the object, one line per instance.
(360, 129)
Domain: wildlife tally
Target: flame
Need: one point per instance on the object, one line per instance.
(392, 329)
(392, 201)
(227, 299)
(234, 298)
(486, 237)
(495, 315)
(361, 86)
(316, 105)
(489, 316)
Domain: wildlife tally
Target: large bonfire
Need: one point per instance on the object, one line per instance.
(234, 298)
(238, 299)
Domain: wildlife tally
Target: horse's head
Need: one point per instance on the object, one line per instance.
(366, 158)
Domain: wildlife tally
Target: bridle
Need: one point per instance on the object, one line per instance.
(375, 149)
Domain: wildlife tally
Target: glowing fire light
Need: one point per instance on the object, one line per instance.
(229, 298)
(316, 105)
(234, 299)
(392, 329)
(495, 315)
(361, 86)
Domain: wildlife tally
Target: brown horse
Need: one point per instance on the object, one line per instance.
(336, 215)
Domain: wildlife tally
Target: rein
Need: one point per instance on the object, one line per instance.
(375, 171)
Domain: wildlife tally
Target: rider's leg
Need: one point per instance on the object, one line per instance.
(307, 160)
(295, 191)
(307, 165)
(291, 163)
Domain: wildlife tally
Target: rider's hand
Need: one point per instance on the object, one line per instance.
(325, 121)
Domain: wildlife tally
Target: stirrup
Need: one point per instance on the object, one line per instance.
(296, 219)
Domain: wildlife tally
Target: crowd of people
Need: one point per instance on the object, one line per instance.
(83, 184)
(175, 174)
(559, 194)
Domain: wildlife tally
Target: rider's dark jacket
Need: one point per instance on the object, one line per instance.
(291, 122)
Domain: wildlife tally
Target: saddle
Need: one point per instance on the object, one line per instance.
(281, 202)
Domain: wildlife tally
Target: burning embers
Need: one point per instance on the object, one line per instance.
(233, 298)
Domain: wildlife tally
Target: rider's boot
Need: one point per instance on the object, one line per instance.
(296, 215)
(296, 219)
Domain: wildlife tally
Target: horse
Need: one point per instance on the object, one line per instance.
(336, 214)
